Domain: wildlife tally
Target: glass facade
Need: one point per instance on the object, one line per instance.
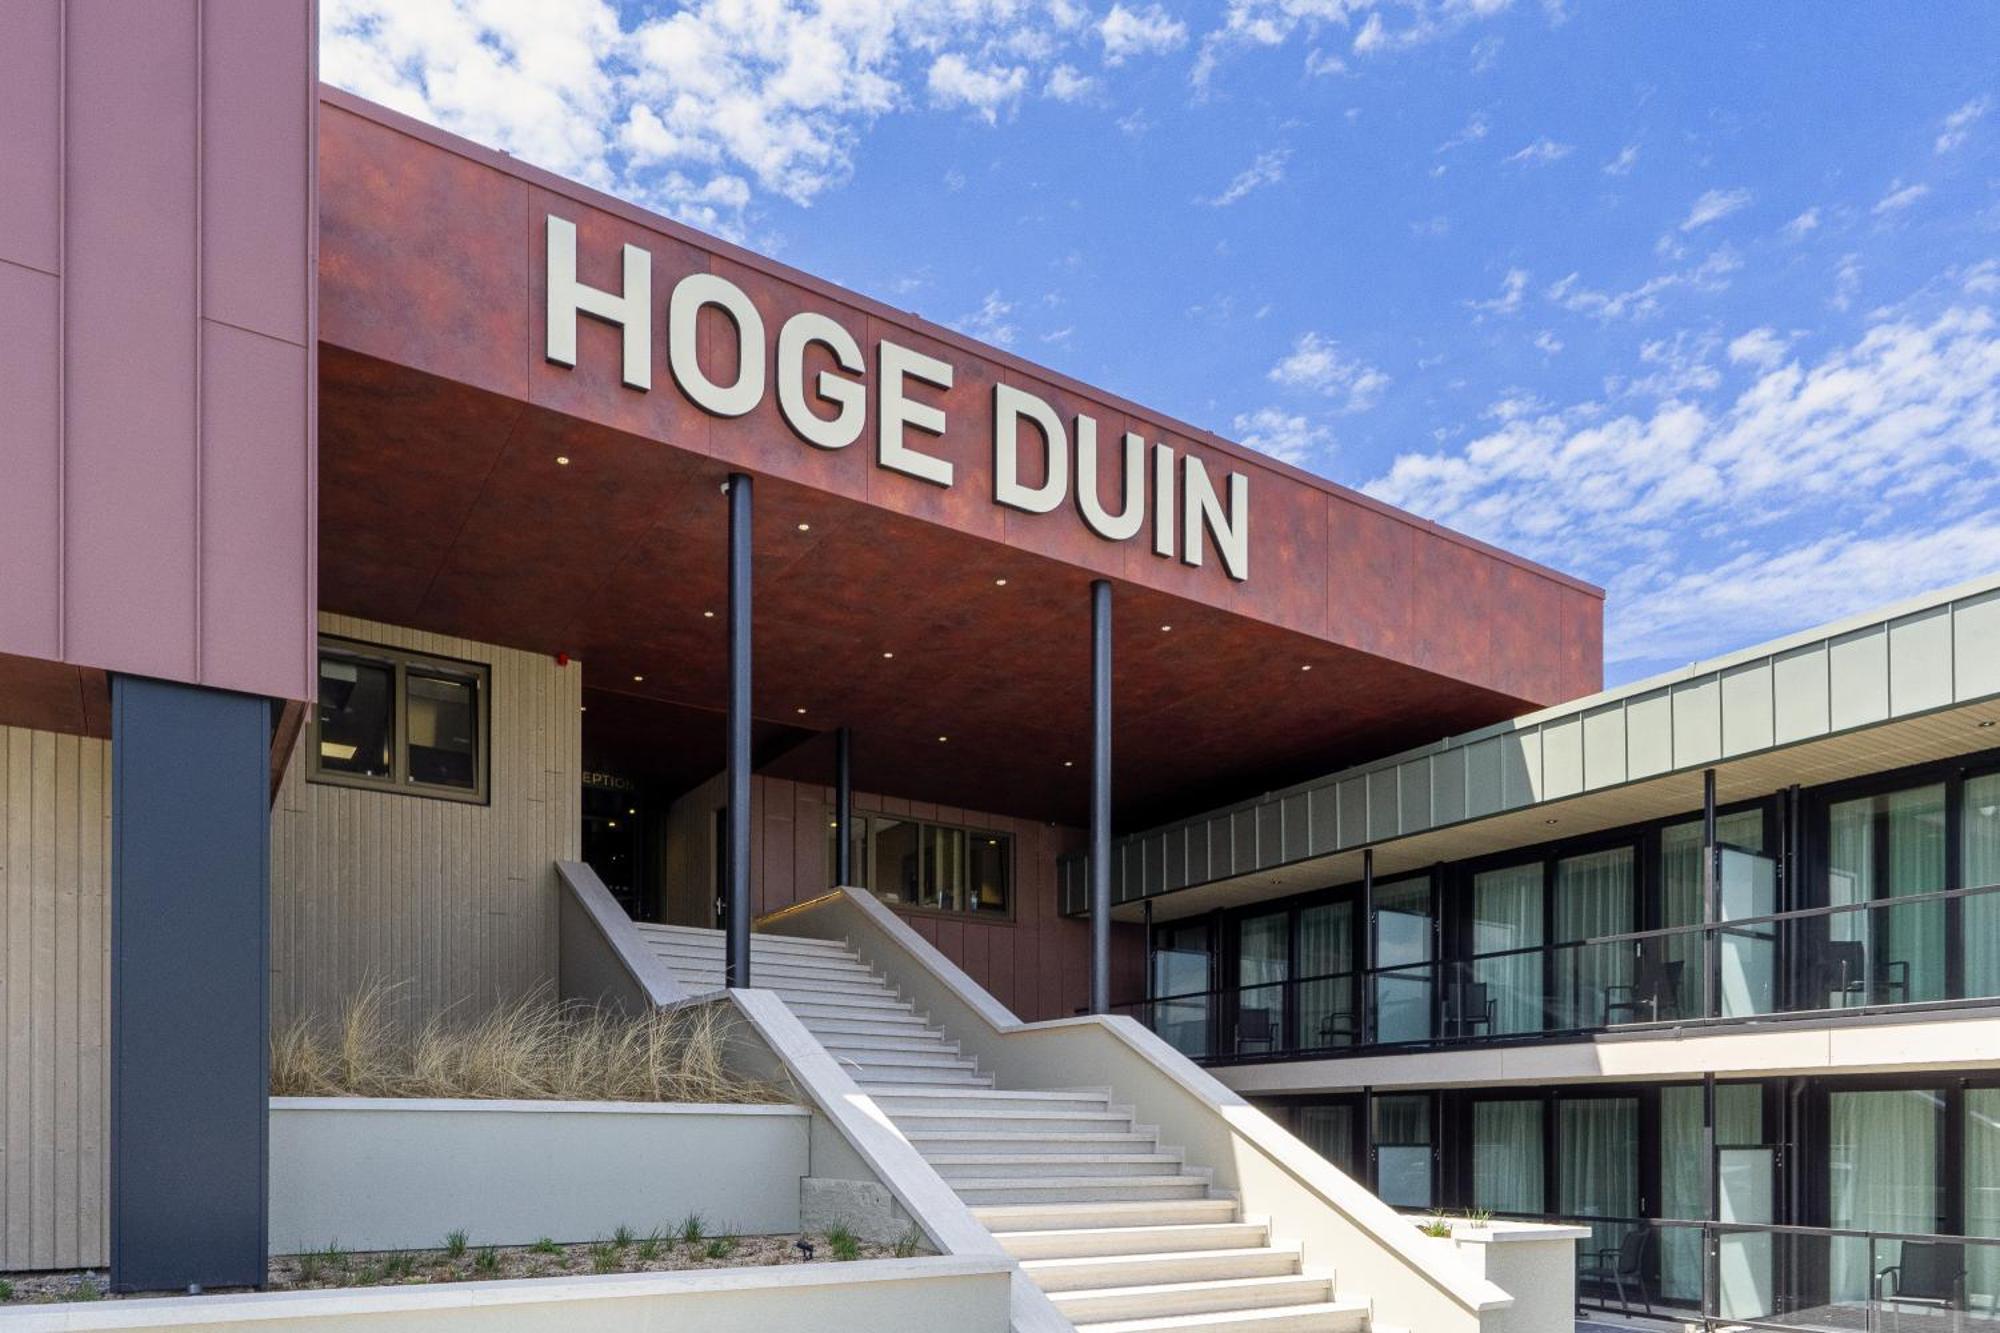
(929, 866)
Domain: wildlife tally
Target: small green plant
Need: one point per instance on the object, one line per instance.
(719, 1248)
(692, 1229)
(622, 1237)
(603, 1257)
(1477, 1218)
(487, 1260)
(454, 1244)
(6, 1290)
(366, 1276)
(311, 1267)
(843, 1244)
(1437, 1224)
(87, 1290)
(649, 1246)
(545, 1246)
(909, 1243)
(397, 1267)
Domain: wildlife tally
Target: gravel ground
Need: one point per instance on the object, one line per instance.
(337, 1268)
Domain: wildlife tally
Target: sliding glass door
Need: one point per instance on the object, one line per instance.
(1183, 956)
(1596, 895)
(1328, 1015)
(1979, 926)
(1597, 1161)
(1403, 1176)
(1505, 991)
(1882, 1175)
(1507, 1166)
(1981, 1195)
(1880, 848)
(1263, 965)
(1404, 953)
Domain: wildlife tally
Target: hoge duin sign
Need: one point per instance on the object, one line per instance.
(1168, 498)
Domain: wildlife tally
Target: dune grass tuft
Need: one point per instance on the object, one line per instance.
(533, 1049)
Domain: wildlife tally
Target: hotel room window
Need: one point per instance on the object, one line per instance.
(398, 721)
(931, 867)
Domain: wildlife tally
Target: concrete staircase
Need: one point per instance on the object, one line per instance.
(1124, 1234)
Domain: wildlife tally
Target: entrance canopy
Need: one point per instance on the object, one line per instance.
(530, 396)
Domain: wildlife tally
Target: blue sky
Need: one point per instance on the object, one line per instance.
(1700, 302)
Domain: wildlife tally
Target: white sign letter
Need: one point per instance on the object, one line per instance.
(632, 310)
(683, 315)
(1163, 500)
(1131, 483)
(1010, 405)
(1231, 531)
(845, 427)
(895, 412)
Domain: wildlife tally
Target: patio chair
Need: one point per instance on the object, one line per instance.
(1928, 1273)
(1626, 1264)
(1255, 1026)
(1655, 993)
(1469, 1005)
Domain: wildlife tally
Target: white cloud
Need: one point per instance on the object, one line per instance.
(1512, 288)
(1958, 125)
(1712, 274)
(1283, 435)
(1250, 24)
(1135, 32)
(1982, 279)
(1621, 165)
(1317, 363)
(1476, 128)
(1761, 347)
(1887, 442)
(1432, 227)
(1846, 282)
(986, 90)
(1067, 84)
(1268, 169)
(1713, 206)
(1547, 342)
(696, 109)
(1799, 227)
(992, 322)
(1900, 197)
(1541, 152)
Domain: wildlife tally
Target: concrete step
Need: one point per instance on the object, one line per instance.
(1009, 1099)
(935, 1057)
(856, 1043)
(886, 1025)
(1079, 1242)
(1337, 1316)
(851, 1006)
(931, 1121)
(1020, 1165)
(1078, 1189)
(787, 984)
(1173, 1268)
(1159, 1300)
(791, 969)
(760, 945)
(888, 1078)
(975, 1141)
(1002, 1219)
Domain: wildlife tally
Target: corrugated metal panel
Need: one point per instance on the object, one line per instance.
(55, 940)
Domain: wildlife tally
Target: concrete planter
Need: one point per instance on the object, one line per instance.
(1534, 1262)
(390, 1174)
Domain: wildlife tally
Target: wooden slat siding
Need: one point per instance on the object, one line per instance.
(1038, 964)
(453, 903)
(55, 853)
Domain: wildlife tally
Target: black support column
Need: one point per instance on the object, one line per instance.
(190, 976)
(843, 809)
(736, 962)
(1711, 901)
(1100, 797)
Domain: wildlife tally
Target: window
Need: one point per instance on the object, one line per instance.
(1403, 1149)
(934, 867)
(400, 721)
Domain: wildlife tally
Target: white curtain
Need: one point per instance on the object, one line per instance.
(1904, 944)
(1882, 1169)
(1326, 948)
(1598, 1164)
(1594, 896)
(1507, 914)
(1507, 1156)
(1982, 1196)
(1263, 951)
(1980, 932)
(1681, 887)
(1683, 1186)
(1329, 1131)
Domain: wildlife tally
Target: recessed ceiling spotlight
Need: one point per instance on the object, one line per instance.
(1552, 821)
(802, 710)
(1308, 666)
(1165, 628)
(708, 615)
(805, 527)
(1987, 723)
(1069, 763)
(562, 460)
(637, 679)
(999, 583)
(888, 654)
(942, 739)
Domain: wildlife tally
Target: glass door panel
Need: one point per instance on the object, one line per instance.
(1595, 896)
(1182, 955)
(1507, 1157)
(1747, 886)
(1263, 964)
(1403, 1150)
(1326, 992)
(1681, 957)
(1979, 926)
(1881, 848)
(1597, 1168)
(1882, 1176)
(1330, 1131)
(1504, 993)
(1982, 1195)
(1403, 961)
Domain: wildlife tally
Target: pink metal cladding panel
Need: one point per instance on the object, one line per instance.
(157, 216)
(431, 260)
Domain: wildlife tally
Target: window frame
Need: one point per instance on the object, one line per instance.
(865, 869)
(400, 662)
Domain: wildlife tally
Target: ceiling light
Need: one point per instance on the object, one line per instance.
(562, 460)
(637, 679)
(1306, 667)
(805, 527)
(1552, 821)
(632, 810)
(1987, 723)
(888, 654)
(1069, 763)
(1165, 628)
(802, 710)
(942, 739)
(999, 583)
(708, 615)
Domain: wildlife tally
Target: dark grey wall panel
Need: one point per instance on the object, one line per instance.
(190, 905)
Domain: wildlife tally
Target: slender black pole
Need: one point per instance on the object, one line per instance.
(1711, 903)
(736, 967)
(1364, 1019)
(1100, 797)
(843, 809)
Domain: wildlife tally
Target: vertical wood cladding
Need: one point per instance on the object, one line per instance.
(55, 940)
(1037, 963)
(450, 902)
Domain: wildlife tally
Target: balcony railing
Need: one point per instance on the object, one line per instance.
(1913, 950)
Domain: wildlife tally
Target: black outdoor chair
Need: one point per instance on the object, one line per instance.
(1929, 1273)
(1254, 1026)
(1619, 1267)
(1843, 973)
(1654, 994)
(1469, 1005)
(1338, 1029)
